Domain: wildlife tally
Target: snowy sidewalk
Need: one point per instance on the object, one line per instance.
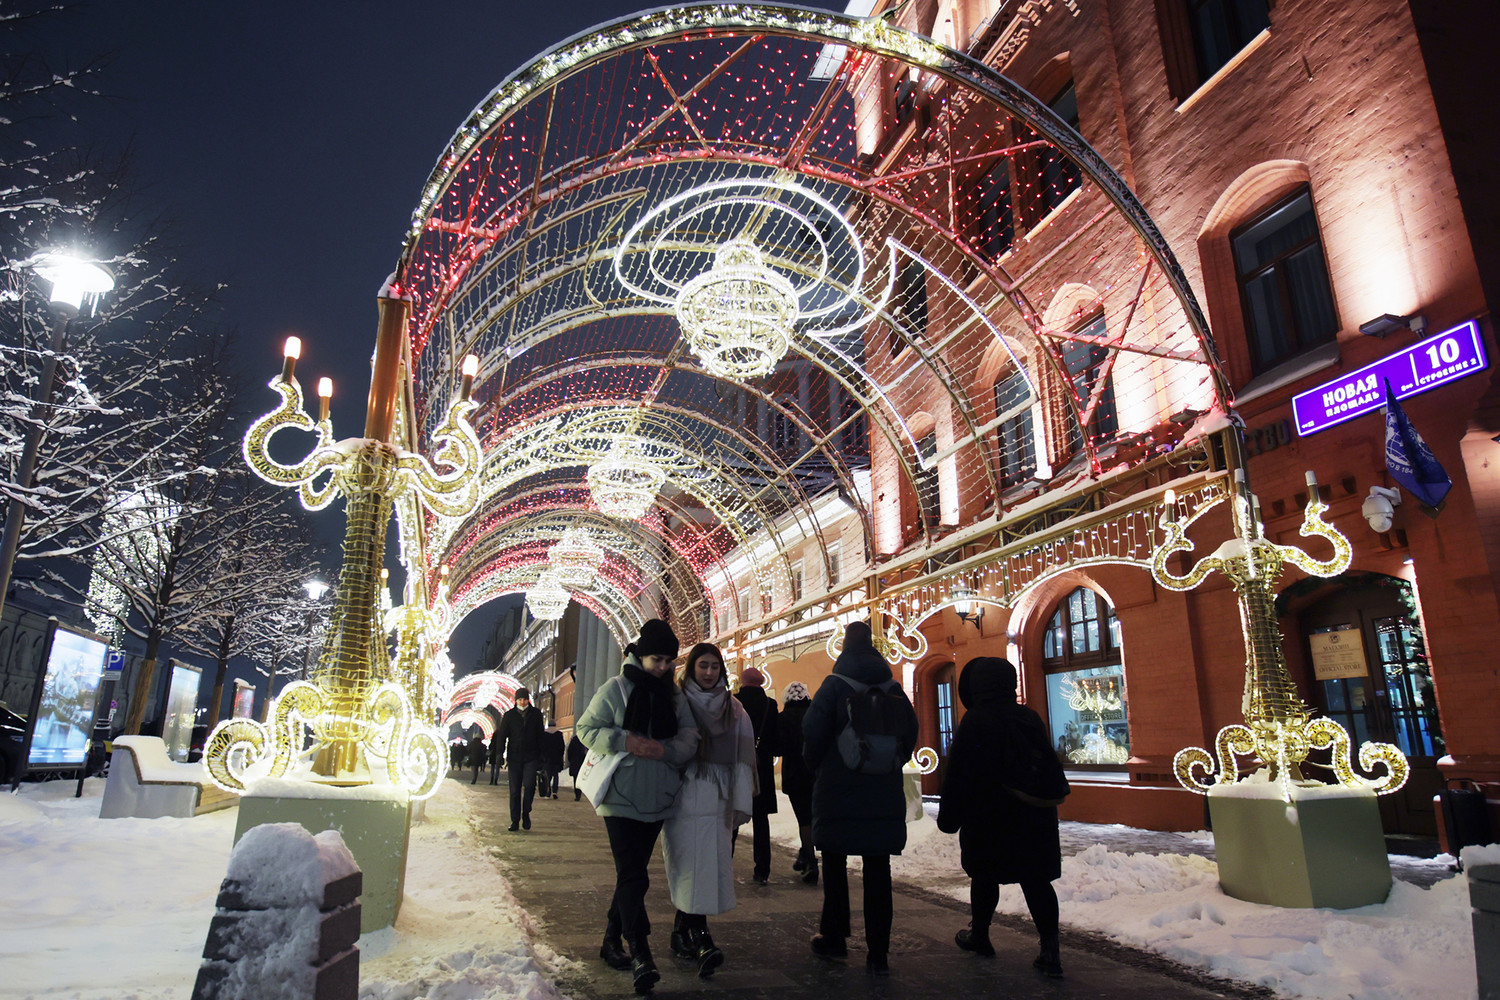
(562, 874)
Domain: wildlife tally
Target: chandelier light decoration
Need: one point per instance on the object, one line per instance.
(738, 318)
(1279, 727)
(547, 599)
(625, 482)
(353, 705)
(576, 558)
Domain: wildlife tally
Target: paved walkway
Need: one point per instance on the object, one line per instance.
(562, 874)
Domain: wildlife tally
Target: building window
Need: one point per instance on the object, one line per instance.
(1015, 439)
(909, 304)
(833, 564)
(1221, 28)
(744, 605)
(797, 581)
(854, 439)
(945, 711)
(1085, 364)
(925, 480)
(995, 216)
(1060, 176)
(1283, 282)
(1086, 682)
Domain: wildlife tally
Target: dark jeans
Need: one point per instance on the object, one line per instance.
(760, 842)
(1041, 900)
(522, 789)
(632, 843)
(877, 904)
(495, 771)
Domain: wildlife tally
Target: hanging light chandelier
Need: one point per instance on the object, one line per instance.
(738, 317)
(547, 599)
(625, 483)
(576, 557)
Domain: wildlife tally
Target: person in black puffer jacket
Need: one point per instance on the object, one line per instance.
(762, 712)
(1001, 838)
(797, 778)
(855, 813)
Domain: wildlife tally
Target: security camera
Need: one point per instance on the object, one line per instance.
(1380, 506)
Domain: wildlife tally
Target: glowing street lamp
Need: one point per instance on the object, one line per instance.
(75, 283)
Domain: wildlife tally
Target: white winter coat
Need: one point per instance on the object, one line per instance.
(696, 837)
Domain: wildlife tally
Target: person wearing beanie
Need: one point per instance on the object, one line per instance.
(1002, 839)
(796, 777)
(718, 787)
(520, 738)
(763, 718)
(638, 713)
(854, 812)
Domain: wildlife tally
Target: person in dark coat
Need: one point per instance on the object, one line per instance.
(1001, 838)
(556, 746)
(577, 753)
(520, 736)
(855, 813)
(476, 754)
(796, 777)
(763, 719)
(497, 760)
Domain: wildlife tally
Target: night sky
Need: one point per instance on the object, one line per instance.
(287, 145)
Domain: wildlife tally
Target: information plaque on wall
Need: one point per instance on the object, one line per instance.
(1338, 653)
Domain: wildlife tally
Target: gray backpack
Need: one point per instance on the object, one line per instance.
(870, 742)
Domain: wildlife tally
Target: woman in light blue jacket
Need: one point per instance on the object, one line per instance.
(640, 713)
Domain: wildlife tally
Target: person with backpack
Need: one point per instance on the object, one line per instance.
(1000, 795)
(762, 712)
(858, 733)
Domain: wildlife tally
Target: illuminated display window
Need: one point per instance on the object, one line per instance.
(1086, 710)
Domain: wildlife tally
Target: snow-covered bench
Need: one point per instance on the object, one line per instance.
(146, 784)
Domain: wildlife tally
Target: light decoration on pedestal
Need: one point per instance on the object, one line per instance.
(1279, 727)
(547, 599)
(625, 482)
(576, 558)
(738, 317)
(353, 704)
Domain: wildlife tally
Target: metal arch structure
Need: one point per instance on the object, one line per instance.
(583, 198)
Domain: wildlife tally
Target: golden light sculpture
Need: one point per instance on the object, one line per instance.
(353, 704)
(1093, 697)
(576, 557)
(738, 317)
(625, 482)
(547, 599)
(1279, 727)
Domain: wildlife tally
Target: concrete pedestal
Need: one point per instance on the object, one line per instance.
(374, 820)
(1325, 848)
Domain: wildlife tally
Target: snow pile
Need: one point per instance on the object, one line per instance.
(281, 864)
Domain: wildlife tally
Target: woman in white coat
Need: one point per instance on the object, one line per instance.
(717, 791)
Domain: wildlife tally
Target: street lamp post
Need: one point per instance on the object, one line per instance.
(73, 282)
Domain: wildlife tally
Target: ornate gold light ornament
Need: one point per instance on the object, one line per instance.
(738, 317)
(1279, 727)
(548, 599)
(576, 557)
(353, 704)
(625, 482)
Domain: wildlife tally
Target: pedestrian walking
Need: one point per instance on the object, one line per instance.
(718, 791)
(520, 737)
(855, 809)
(763, 718)
(639, 713)
(476, 755)
(999, 795)
(497, 759)
(554, 746)
(797, 778)
(576, 753)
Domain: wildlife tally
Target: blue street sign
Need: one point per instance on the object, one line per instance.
(114, 664)
(1425, 365)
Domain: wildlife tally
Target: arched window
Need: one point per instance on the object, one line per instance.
(1086, 682)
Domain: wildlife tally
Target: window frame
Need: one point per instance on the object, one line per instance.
(1234, 19)
(1108, 655)
(1291, 326)
(1023, 426)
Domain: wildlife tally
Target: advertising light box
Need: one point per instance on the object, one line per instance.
(1425, 365)
(75, 665)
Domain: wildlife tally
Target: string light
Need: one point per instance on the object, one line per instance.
(576, 557)
(738, 318)
(547, 600)
(625, 483)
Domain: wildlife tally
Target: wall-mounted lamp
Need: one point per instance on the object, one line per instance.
(966, 607)
(1388, 323)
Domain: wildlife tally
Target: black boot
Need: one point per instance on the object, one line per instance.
(613, 952)
(1049, 962)
(810, 872)
(976, 941)
(828, 946)
(681, 946)
(708, 957)
(643, 971)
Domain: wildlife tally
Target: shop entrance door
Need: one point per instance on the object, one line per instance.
(1370, 674)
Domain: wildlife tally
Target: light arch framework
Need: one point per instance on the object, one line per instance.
(561, 229)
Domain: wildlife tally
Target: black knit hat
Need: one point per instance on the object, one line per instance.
(656, 639)
(523, 693)
(857, 635)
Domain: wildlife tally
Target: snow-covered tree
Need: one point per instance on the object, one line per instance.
(289, 645)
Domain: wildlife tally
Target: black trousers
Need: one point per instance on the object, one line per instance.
(1041, 900)
(522, 780)
(760, 841)
(877, 903)
(632, 842)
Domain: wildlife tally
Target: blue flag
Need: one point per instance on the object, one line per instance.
(1408, 459)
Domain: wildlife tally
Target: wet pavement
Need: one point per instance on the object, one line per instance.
(562, 874)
